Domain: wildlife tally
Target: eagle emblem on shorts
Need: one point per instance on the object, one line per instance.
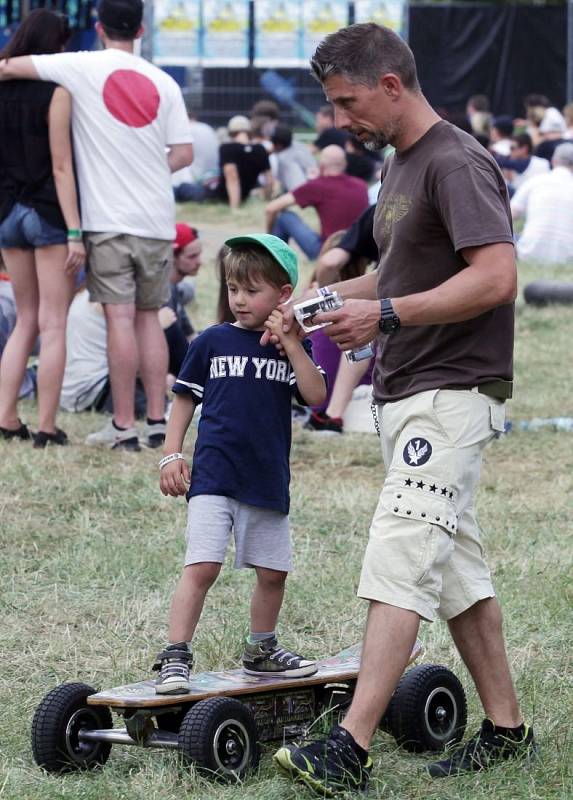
(417, 452)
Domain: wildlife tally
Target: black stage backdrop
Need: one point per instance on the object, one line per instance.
(502, 52)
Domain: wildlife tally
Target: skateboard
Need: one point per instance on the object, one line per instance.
(219, 724)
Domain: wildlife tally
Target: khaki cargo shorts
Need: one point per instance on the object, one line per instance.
(128, 269)
(424, 551)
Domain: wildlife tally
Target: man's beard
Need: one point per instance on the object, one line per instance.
(376, 140)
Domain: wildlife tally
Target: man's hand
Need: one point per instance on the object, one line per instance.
(174, 478)
(353, 325)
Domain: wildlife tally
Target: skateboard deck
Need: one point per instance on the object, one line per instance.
(232, 682)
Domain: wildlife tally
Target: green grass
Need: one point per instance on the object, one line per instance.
(91, 551)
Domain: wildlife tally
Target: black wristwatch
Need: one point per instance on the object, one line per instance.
(389, 320)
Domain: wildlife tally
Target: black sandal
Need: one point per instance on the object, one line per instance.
(41, 439)
(16, 433)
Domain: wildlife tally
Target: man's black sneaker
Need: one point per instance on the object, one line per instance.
(320, 422)
(268, 658)
(174, 665)
(485, 750)
(41, 438)
(328, 766)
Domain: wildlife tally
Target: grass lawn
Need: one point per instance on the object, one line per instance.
(91, 551)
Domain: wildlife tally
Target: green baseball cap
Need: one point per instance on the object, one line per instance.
(279, 250)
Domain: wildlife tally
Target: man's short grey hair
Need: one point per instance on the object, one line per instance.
(362, 53)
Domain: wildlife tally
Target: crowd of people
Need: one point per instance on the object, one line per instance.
(256, 153)
(434, 218)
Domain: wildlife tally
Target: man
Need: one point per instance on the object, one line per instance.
(130, 130)
(242, 164)
(338, 199)
(546, 203)
(204, 171)
(295, 163)
(521, 165)
(551, 133)
(444, 327)
(479, 117)
(327, 132)
(500, 135)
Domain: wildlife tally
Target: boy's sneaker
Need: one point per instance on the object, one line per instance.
(112, 437)
(485, 750)
(320, 422)
(328, 766)
(268, 658)
(154, 434)
(174, 665)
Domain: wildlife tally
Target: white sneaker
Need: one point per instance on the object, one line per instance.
(154, 435)
(110, 436)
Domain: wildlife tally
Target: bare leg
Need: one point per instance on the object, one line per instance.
(122, 359)
(388, 641)
(478, 636)
(267, 599)
(22, 270)
(153, 360)
(348, 377)
(188, 599)
(56, 292)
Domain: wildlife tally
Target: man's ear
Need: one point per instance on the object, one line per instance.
(286, 292)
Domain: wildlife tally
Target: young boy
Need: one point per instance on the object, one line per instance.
(240, 476)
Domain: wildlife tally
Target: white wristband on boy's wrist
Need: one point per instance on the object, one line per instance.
(168, 459)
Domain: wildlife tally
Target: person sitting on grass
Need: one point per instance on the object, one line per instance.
(240, 475)
(339, 200)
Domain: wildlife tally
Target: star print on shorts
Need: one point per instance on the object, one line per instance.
(417, 452)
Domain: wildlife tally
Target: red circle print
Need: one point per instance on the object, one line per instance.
(131, 98)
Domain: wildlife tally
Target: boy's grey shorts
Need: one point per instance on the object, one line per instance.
(262, 536)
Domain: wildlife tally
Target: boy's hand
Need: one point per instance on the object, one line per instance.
(275, 324)
(174, 478)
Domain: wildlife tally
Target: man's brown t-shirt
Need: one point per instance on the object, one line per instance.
(443, 194)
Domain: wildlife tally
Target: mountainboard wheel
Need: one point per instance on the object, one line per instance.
(219, 736)
(428, 710)
(57, 722)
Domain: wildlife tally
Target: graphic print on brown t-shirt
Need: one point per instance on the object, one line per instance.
(443, 194)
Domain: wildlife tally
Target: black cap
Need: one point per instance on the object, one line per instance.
(504, 124)
(121, 15)
(282, 136)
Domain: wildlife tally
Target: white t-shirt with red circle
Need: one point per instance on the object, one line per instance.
(126, 112)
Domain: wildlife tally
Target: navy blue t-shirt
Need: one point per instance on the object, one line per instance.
(244, 437)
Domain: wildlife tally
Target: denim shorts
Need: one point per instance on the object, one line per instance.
(25, 229)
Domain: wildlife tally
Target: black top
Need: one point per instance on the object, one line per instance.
(250, 159)
(360, 166)
(359, 238)
(25, 160)
(547, 148)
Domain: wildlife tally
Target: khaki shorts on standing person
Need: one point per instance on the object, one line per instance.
(424, 551)
(128, 269)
